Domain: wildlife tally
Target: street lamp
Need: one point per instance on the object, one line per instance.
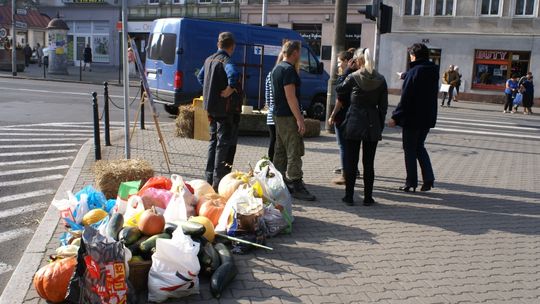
(14, 40)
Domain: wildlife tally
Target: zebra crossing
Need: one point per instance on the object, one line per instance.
(34, 159)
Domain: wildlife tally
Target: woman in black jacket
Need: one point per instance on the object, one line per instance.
(364, 123)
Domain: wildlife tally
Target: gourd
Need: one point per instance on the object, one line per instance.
(52, 280)
(93, 216)
(211, 206)
(200, 187)
(230, 182)
(151, 222)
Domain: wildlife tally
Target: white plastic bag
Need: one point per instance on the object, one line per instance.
(241, 204)
(66, 207)
(134, 206)
(179, 186)
(81, 209)
(274, 185)
(176, 209)
(175, 268)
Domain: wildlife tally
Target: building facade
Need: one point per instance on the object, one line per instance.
(488, 39)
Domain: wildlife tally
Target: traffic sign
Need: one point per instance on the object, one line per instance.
(21, 11)
(3, 32)
(21, 25)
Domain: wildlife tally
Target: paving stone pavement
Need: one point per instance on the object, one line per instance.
(474, 239)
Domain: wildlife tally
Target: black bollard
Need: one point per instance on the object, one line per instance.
(142, 107)
(106, 113)
(44, 70)
(80, 70)
(97, 144)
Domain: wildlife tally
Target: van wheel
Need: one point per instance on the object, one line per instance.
(173, 110)
(318, 108)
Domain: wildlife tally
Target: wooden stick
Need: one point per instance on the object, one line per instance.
(231, 238)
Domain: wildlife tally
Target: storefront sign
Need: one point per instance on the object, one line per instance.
(139, 26)
(491, 55)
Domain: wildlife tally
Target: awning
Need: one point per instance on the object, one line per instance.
(33, 19)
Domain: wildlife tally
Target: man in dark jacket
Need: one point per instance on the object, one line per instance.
(27, 55)
(416, 113)
(219, 79)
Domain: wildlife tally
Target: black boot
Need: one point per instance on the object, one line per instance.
(300, 192)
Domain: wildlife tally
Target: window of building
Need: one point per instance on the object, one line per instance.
(205, 1)
(444, 7)
(227, 1)
(413, 7)
(179, 1)
(493, 67)
(153, 1)
(525, 7)
(490, 7)
(312, 33)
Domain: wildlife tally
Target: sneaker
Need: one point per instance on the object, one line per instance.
(300, 192)
(504, 111)
(338, 171)
(339, 180)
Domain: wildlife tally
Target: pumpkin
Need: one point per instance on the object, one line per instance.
(93, 216)
(151, 222)
(211, 206)
(209, 232)
(230, 182)
(51, 281)
(200, 187)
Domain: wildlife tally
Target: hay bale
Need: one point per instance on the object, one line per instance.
(313, 127)
(185, 122)
(110, 174)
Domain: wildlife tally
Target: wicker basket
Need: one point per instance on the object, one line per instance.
(138, 274)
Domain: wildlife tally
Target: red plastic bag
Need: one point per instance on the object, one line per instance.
(158, 182)
(156, 197)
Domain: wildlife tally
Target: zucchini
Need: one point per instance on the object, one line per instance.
(134, 248)
(115, 225)
(146, 246)
(193, 229)
(210, 258)
(225, 255)
(221, 278)
(170, 228)
(129, 235)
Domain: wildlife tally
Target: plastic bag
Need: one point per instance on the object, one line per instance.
(179, 186)
(95, 199)
(66, 207)
(175, 268)
(241, 213)
(274, 186)
(158, 182)
(156, 197)
(134, 206)
(518, 99)
(125, 190)
(101, 275)
(81, 209)
(274, 221)
(176, 209)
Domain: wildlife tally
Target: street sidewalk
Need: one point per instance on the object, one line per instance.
(473, 239)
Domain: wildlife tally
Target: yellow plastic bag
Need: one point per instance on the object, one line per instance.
(134, 220)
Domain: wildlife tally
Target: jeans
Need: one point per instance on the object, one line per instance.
(509, 102)
(289, 148)
(340, 138)
(222, 148)
(413, 146)
(272, 145)
(352, 155)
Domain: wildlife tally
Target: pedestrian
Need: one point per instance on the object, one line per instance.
(345, 67)
(222, 100)
(289, 121)
(87, 57)
(269, 100)
(510, 93)
(131, 62)
(27, 55)
(458, 84)
(450, 77)
(416, 113)
(528, 93)
(364, 123)
(39, 53)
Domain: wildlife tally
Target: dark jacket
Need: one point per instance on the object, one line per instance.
(369, 103)
(87, 54)
(418, 105)
(216, 74)
(345, 99)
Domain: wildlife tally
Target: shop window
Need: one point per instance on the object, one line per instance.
(205, 1)
(490, 7)
(312, 33)
(413, 7)
(493, 67)
(525, 7)
(226, 1)
(101, 27)
(444, 7)
(353, 34)
(179, 1)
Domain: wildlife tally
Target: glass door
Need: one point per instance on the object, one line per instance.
(80, 44)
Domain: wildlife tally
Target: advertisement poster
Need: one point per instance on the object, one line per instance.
(101, 49)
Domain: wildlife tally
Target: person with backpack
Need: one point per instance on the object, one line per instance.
(222, 100)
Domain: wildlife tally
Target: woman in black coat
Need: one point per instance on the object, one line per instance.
(364, 123)
(87, 57)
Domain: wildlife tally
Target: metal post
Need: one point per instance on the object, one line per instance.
(377, 38)
(142, 106)
(126, 78)
(264, 12)
(106, 113)
(340, 21)
(14, 40)
(80, 69)
(97, 143)
(44, 70)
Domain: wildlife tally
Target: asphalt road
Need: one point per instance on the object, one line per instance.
(42, 127)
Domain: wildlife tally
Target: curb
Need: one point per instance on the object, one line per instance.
(17, 287)
(132, 84)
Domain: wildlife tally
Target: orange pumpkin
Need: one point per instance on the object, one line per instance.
(151, 223)
(51, 281)
(211, 206)
(200, 187)
(230, 182)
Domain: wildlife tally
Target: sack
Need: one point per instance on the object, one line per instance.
(175, 268)
(101, 275)
(445, 88)
(518, 100)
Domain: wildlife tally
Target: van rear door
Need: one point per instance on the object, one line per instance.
(153, 64)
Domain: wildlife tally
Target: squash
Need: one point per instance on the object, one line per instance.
(115, 225)
(93, 216)
(151, 222)
(129, 235)
(193, 229)
(211, 206)
(208, 258)
(230, 182)
(146, 246)
(52, 280)
(200, 187)
(225, 255)
(209, 233)
(221, 278)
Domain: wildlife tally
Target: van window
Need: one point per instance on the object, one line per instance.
(308, 63)
(162, 47)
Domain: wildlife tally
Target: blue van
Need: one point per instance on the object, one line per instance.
(177, 48)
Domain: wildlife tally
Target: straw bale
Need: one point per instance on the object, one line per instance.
(185, 121)
(313, 127)
(110, 174)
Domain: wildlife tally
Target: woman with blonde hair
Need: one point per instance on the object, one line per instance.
(364, 122)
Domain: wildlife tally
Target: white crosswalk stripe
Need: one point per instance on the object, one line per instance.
(5, 268)
(22, 209)
(32, 180)
(37, 152)
(26, 195)
(36, 146)
(35, 161)
(33, 170)
(13, 234)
